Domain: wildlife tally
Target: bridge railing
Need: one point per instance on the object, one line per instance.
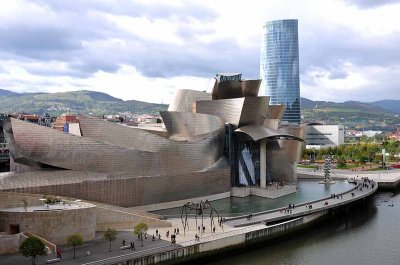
(283, 208)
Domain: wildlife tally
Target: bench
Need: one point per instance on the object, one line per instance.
(53, 260)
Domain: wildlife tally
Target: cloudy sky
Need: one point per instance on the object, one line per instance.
(146, 50)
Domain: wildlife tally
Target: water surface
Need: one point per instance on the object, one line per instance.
(369, 235)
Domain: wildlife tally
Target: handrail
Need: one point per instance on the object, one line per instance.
(282, 208)
(314, 210)
(52, 247)
(189, 242)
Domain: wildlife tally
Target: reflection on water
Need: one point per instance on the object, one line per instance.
(368, 235)
(307, 191)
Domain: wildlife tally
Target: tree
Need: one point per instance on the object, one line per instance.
(32, 247)
(75, 240)
(140, 229)
(110, 235)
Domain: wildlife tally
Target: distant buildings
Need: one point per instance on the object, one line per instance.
(395, 136)
(279, 67)
(323, 136)
(68, 124)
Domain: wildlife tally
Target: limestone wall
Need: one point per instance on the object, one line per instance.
(13, 199)
(54, 226)
(9, 243)
(136, 191)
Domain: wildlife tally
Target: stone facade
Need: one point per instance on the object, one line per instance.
(135, 191)
(53, 225)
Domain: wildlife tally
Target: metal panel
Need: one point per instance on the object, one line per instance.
(236, 89)
(184, 100)
(272, 123)
(254, 111)
(259, 132)
(229, 110)
(293, 149)
(57, 149)
(237, 111)
(189, 125)
(276, 111)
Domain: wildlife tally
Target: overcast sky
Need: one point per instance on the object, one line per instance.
(146, 50)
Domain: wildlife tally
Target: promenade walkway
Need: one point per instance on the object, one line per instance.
(362, 189)
(386, 178)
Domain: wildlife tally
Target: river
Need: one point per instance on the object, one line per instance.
(368, 235)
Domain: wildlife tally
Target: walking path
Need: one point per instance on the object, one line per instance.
(232, 226)
(380, 176)
(98, 248)
(354, 194)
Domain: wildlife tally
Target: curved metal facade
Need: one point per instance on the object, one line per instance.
(190, 126)
(130, 166)
(184, 100)
(100, 153)
(236, 89)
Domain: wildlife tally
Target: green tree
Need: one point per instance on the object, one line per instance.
(140, 229)
(75, 240)
(32, 247)
(341, 162)
(110, 235)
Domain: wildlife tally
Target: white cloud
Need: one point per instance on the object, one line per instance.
(146, 50)
(128, 83)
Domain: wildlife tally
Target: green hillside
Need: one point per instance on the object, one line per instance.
(75, 102)
(352, 114)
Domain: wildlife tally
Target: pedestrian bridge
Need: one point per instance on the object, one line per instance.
(362, 189)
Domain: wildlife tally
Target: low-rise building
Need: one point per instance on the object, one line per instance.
(320, 136)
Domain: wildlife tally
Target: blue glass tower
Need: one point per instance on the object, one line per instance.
(279, 66)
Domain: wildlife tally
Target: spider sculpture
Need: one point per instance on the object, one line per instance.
(199, 209)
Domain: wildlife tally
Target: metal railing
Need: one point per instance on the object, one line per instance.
(182, 245)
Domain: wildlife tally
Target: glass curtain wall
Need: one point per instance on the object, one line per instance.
(279, 66)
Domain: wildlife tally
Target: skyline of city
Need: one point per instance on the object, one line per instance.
(160, 46)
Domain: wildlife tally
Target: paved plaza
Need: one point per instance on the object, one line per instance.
(98, 248)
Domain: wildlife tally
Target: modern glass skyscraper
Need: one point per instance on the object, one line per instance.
(279, 66)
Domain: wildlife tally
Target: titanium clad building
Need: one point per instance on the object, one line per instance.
(211, 142)
(279, 67)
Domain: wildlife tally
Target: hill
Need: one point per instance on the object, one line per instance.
(388, 104)
(352, 114)
(76, 102)
(379, 115)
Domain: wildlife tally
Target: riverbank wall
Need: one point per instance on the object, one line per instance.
(196, 251)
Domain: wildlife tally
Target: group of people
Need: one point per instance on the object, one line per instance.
(337, 196)
(288, 209)
(131, 244)
(366, 183)
(203, 228)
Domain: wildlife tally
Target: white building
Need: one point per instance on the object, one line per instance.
(323, 136)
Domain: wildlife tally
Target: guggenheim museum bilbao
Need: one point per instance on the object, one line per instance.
(210, 142)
